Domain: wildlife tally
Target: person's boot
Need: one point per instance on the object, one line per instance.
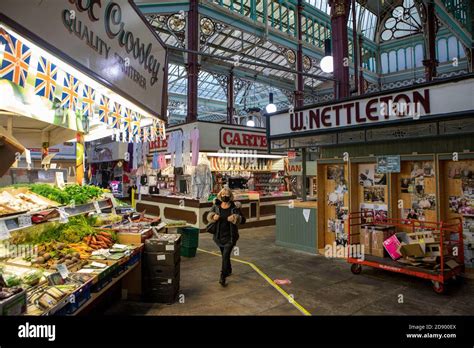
(222, 280)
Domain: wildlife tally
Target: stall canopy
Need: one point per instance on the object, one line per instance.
(85, 67)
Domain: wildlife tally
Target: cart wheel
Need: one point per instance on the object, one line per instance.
(356, 268)
(439, 288)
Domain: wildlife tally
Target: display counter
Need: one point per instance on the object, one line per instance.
(296, 225)
(258, 212)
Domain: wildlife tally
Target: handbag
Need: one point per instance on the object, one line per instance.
(211, 228)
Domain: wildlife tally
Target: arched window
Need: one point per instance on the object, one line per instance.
(384, 61)
(409, 55)
(401, 59)
(453, 48)
(392, 60)
(442, 51)
(419, 55)
(404, 20)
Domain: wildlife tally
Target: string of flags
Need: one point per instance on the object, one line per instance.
(75, 95)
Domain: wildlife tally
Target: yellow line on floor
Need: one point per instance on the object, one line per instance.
(268, 279)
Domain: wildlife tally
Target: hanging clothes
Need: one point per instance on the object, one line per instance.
(154, 163)
(201, 181)
(195, 146)
(162, 161)
(178, 138)
(186, 149)
(172, 147)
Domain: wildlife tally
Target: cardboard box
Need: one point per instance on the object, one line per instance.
(412, 250)
(366, 241)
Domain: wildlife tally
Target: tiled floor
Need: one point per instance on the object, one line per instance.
(322, 286)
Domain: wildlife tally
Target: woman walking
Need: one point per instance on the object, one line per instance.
(227, 216)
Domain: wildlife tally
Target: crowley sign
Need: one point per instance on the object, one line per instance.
(410, 105)
(242, 139)
(107, 39)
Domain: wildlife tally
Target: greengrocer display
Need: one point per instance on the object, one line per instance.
(66, 243)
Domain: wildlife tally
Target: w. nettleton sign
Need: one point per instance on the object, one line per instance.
(107, 37)
(410, 104)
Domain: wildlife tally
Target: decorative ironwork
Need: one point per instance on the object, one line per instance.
(176, 22)
(208, 28)
(307, 63)
(404, 20)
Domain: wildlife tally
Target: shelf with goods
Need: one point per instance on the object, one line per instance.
(83, 244)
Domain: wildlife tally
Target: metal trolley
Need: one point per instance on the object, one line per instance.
(448, 235)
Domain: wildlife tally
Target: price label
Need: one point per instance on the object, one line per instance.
(63, 216)
(60, 179)
(62, 269)
(112, 199)
(4, 232)
(24, 221)
(28, 157)
(97, 208)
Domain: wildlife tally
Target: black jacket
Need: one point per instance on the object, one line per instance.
(234, 230)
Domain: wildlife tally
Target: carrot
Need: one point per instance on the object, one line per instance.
(105, 234)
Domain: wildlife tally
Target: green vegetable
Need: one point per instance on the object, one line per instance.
(11, 280)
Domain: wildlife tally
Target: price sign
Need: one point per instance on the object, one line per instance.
(62, 269)
(24, 221)
(4, 232)
(112, 199)
(97, 208)
(60, 179)
(28, 158)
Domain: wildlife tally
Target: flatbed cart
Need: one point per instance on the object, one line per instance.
(448, 235)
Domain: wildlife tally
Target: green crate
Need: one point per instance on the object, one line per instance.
(188, 251)
(189, 237)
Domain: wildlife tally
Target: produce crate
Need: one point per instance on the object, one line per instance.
(14, 305)
(81, 296)
(189, 236)
(103, 278)
(188, 251)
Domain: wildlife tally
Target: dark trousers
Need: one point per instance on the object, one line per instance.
(226, 266)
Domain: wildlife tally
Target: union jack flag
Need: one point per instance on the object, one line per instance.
(116, 115)
(146, 134)
(16, 60)
(45, 84)
(70, 92)
(127, 121)
(88, 100)
(104, 109)
(136, 123)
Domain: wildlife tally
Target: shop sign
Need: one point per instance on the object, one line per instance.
(108, 38)
(63, 151)
(388, 164)
(411, 104)
(242, 139)
(291, 155)
(107, 152)
(296, 168)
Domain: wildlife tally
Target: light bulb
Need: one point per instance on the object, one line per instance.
(327, 64)
(251, 123)
(271, 108)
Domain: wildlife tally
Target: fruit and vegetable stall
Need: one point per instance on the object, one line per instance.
(62, 249)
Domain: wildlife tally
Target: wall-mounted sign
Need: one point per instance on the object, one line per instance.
(107, 152)
(107, 39)
(242, 139)
(411, 105)
(296, 168)
(388, 164)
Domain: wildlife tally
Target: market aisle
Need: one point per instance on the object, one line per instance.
(322, 286)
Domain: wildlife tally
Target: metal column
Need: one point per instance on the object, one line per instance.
(299, 93)
(192, 63)
(230, 98)
(340, 47)
(430, 62)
